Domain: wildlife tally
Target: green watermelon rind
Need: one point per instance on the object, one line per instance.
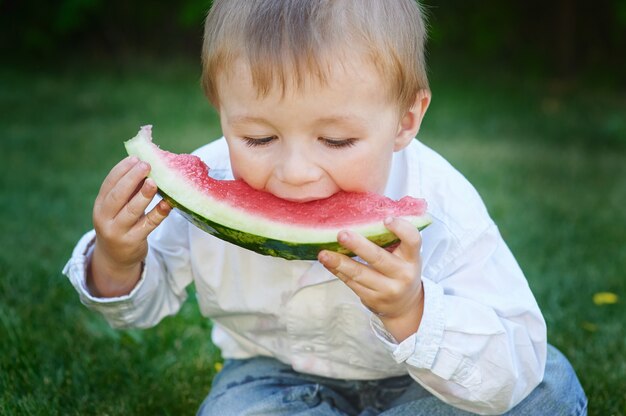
(268, 246)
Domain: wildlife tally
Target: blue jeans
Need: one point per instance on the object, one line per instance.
(265, 386)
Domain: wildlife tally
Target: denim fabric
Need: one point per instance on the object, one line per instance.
(264, 386)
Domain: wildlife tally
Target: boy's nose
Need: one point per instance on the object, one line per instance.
(295, 169)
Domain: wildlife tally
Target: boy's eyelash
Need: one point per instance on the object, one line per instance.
(250, 142)
(338, 143)
(333, 143)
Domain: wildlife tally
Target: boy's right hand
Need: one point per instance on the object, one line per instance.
(122, 228)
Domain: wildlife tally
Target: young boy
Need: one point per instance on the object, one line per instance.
(314, 97)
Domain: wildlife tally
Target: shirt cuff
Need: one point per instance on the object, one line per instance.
(76, 271)
(420, 349)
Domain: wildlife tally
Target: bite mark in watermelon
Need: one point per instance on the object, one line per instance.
(261, 222)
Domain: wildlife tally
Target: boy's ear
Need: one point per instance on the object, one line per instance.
(412, 120)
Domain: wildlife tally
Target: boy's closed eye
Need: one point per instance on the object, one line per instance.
(337, 143)
(258, 141)
(330, 142)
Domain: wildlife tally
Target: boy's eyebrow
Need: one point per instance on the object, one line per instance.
(342, 119)
(243, 119)
(338, 119)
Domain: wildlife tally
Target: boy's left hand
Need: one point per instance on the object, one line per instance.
(390, 285)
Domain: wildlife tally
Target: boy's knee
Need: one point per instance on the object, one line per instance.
(271, 400)
(560, 392)
(260, 385)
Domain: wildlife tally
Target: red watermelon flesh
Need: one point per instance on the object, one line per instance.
(341, 209)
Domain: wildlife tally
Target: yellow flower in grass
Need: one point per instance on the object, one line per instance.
(218, 367)
(605, 298)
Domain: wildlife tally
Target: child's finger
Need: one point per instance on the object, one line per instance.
(351, 272)
(135, 209)
(410, 239)
(378, 258)
(116, 174)
(365, 282)
(151, 220)
(123, 190)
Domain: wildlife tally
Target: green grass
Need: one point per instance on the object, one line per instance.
(549, 160)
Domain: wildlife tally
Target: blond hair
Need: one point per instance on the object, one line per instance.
(289, 41)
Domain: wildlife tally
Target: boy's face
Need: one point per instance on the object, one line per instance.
(312, 142)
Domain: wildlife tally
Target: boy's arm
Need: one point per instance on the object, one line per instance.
(107, 265)
(481, 344)
(467, 327)
(160, 289)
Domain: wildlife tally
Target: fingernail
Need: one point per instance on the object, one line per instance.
(163, 207)
(343, 237)
(133, 159)
(147, 188)
(388, 220)
(323, 257)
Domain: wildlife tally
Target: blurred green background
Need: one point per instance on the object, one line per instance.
(557, 38)
(529, 102)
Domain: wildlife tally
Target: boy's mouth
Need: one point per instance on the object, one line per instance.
(301, 195)
(303, 200)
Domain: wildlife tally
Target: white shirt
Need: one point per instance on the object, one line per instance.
(481, 345)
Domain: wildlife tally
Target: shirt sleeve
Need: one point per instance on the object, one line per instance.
(161, 289)
(481, 345)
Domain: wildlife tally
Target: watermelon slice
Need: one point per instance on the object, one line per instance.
(261, 222)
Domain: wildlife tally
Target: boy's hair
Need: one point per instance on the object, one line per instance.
(290, 41)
